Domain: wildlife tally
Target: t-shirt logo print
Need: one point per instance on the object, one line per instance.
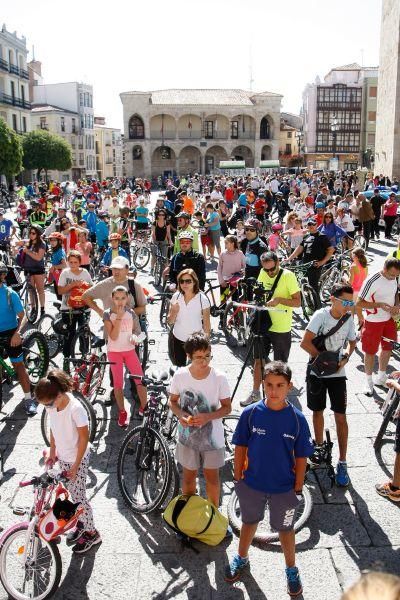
(259, 431)
(199, 438)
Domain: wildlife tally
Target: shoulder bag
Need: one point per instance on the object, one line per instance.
(326, 363)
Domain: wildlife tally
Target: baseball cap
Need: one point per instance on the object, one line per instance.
(312, 222)
(120, 262)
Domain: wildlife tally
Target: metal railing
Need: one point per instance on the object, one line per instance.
(3, 64)
(7, 99)
(15, 69)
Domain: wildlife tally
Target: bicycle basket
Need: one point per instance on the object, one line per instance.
(59, 519)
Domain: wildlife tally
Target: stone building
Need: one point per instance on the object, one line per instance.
(387, 146)
(14, 81)
(289, 150)
(108, 150)
(187, 131)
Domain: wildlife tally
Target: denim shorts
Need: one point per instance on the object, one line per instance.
(282, 507)
(193, 459)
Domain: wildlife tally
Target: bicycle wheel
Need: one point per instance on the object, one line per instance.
(142, 351)
(36, 355)
(230, 422)
(360, 242)
(141, 257)
(332, 277)
(158, 269)
(30, 301)
(40, 576)
(90, 412)
(81, 345)
(97, 377)
(265, 534)
(1, 387)
(144, 469)
(308, 301)
(392, 403)
(234, 326)
(45, 326)
(164, 310)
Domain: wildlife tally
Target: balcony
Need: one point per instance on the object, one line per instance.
(331, 149)
(13, 101)
(14, 69)
(24, 74)
(353, 127)
(186, 136)
(336, 105)
(3, 64)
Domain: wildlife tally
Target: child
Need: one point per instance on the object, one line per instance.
(84, 248)
(22, 214)
(240, 232)
(114, 250)
(204, 235)
(358, 273)
(120, 323)
(270, 428)
(69, 438)
(58, 259)
(275, 239)
(296, 233)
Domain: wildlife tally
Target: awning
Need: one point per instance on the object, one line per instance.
(269, 164)
(232, 164)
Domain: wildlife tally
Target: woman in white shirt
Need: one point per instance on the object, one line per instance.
(189, 313)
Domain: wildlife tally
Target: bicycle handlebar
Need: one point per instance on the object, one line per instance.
(395, 343)
(84, 361)
(148, 380)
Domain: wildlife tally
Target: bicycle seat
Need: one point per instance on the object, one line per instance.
(163, 376)
(57, 304)
(98, 343)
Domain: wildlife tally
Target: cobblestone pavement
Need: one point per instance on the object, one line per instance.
(349, 530)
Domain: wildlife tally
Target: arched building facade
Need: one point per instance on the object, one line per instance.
(191, 131)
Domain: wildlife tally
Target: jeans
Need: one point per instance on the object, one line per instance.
(375, 230)
(73, 322)
(367, 226)
(314, 274)
(389, 221)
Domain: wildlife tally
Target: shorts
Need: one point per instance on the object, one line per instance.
(397, 438)
(34, 271)
(215, 237)
(316, 393)
(280, 344)
(372, 333)
(141, 226)
(282, 507)
(192, 459)
(15, 353)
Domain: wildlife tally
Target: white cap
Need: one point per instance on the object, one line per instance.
(120, 262)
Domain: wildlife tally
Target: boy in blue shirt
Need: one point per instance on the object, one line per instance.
(272, 442)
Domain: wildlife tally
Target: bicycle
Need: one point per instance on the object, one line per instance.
(30, 564)
(35, 358)
(390, 407)
(337, 270)
(160, 262)
(309, 300)
(55, 330)
(236, 319)
(30, 299)
(140, 248)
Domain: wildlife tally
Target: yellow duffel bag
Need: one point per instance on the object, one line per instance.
(196, 518)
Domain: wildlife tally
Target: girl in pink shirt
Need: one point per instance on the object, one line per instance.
(84, 248)
(358, 274)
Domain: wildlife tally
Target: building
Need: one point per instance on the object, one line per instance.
(108, 150)
(14, 87)
(187, 131)
(290, 142)
(339, 117)
(64, 123)
(387, 146)
(75, 99)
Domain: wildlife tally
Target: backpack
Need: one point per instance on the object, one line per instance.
(196, 518)
(20, 257)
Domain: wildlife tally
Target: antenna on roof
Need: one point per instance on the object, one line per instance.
(33, 52)
(251, 80)
(362, 57)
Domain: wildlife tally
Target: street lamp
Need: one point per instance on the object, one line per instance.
(299, 137)
(335, 126)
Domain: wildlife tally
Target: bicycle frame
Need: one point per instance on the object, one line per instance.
(9, 369)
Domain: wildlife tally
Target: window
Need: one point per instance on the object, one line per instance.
(73, 142)
(12, 90)
(86, 99)
(82, 122)
(373, 91)
(136, 128)
(371, 139)
(265, 129)
(209, 130)
(14, 122)
(289, 134)
(288, 149)
(234, 130)
(24, 124)
(43, 124)
(81, 99)
(73, 126)
(62, 124)
(23, 93)
(371, 116)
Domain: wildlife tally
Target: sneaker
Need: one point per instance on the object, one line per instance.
(255, 396)
(318, 456)
(229, 533)
(368, 388)
(342, 478)
(86, 541)
(122, 418)
(294, 587)
(31, 407)
(386, 491)
(236, 567)
(141, 412)
(73, 536)
(380, 380)
(66, 367)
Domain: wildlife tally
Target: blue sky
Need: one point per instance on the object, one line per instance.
(121, 45)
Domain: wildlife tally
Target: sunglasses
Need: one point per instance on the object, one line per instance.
(207, 358)
(185, 281)
(32, 233)
(270, 270)
(249, 229)
(346, 302)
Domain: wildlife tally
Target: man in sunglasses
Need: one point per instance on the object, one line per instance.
(252, 247)
(342, 341)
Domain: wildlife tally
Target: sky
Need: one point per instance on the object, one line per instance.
(123, 45)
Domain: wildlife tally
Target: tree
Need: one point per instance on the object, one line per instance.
(45, 151)
(10, 151)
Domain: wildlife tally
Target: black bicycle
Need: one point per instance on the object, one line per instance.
(390, 408)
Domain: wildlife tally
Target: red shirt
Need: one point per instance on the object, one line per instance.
(259, 206)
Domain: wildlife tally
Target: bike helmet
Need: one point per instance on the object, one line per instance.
(114, 236)
(185, 235)
(3, 268)
(183, 215)
(37, 228)
(319, 205)
(277, 227)
(56, 235)
(253, 222)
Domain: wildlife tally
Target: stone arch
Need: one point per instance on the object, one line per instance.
(213, 157)
(162, 127)
(136, 128)
(266, 153)
(190, 160)
(163, 160)
(220, 128)
(243, 153)
(246, 127)
(189, 127)
(266, 128)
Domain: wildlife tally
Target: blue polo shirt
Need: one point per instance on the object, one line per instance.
(5, 228)
(10, 306)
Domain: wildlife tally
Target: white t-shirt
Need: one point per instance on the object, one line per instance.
(378, 288)
(67, 277)
(63, 424)
(189, 318)
(201, 396)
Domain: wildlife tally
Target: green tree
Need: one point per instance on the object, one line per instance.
(45, 151)
(10, 151)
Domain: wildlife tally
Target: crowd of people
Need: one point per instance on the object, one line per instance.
(265, 222)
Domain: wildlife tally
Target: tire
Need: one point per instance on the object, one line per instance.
(332, 277)
(97, 378)
(81, 345)
(45, 326)
(391, 408)
(360, 242)
(230, 422)
(144, 490)
(45, 422)
(142, 351)
(10, 563)
(1, 388)
(308, 301)
(234, 326)
(164, 310)
(158, 269)
(265, 534)
(30, 301)
(141, 257)
(36, 355)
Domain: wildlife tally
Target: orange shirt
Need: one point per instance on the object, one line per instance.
(188, 205)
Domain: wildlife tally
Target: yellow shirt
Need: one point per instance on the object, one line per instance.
(287, 286)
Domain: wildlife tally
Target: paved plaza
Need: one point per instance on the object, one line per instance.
(349, 530)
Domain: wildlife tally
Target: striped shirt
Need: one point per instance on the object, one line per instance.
(377, 288)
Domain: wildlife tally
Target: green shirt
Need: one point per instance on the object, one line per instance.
(287, 286)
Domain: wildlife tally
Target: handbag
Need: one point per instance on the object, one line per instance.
(262, 323)
(326, 363)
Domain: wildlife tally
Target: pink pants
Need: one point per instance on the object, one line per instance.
(132, 363)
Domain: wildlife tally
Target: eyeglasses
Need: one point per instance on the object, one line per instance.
(250, 229)
(270, 270)
(185, 281)
(330, 218)
(345, 302)
(207, 358)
